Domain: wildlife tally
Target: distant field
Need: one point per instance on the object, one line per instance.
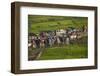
(43, 23)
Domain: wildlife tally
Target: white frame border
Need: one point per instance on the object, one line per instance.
(25, 64)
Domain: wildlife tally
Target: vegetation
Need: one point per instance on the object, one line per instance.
(78, 49)
(43, 23)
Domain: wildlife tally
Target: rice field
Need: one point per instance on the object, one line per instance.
(77, 49)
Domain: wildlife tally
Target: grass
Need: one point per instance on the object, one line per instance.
(72, 51)
(42, 23)
(65, 52)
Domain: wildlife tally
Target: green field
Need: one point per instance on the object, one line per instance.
(72, 51)
(78, 49)
(65, 52)
(45, 23)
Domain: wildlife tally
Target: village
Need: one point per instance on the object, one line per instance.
(54, 38)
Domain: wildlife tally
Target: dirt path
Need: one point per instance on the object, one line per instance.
(35, 54)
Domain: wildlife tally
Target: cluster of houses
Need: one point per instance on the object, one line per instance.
(54, 38)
